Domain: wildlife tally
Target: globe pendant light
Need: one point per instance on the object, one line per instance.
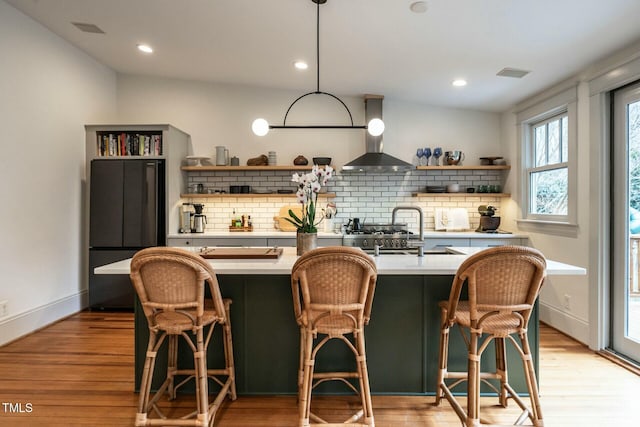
(261, 126)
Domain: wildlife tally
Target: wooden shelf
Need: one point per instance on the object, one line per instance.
(222, 195)
(461, 168)
(308, 167)
(462, 194)
(246, 168)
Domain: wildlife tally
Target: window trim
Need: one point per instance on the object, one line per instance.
(561, 103)
(529, 168)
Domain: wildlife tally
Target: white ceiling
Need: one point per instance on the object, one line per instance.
(366, 46)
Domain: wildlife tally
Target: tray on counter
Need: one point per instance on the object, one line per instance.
(239, 229)
(241, 253)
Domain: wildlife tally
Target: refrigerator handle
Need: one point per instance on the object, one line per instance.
(150, 208)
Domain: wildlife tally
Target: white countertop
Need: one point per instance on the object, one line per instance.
(430, 234)
(386, 264)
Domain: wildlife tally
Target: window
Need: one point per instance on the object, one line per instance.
(548, 145)
(548, 175)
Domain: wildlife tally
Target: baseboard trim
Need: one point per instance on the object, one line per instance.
(576, 328)
(30, 321)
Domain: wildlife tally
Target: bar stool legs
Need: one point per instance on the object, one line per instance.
(199, 373)
(475, 377)
(205, 412)
(308, 379)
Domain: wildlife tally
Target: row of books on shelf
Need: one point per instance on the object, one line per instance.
(129, 144)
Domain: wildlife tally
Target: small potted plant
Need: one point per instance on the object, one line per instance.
(309, 186)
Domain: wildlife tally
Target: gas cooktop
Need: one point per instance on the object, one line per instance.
(379, 229)
(384, 236)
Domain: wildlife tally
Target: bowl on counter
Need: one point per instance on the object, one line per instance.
(322, 161)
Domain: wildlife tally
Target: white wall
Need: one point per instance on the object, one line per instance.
(572, 248)
(49, 90)
(222, 114)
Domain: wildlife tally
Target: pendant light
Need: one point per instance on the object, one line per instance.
(261, 126)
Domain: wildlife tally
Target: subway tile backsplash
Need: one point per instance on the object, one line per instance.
(369, 196)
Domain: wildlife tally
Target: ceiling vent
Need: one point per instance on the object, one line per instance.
(512, 72)
(88, 28)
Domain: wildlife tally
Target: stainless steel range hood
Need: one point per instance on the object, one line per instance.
(374, 160)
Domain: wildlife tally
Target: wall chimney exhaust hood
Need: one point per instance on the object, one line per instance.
(374, 160)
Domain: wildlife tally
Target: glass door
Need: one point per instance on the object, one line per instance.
(625, 286)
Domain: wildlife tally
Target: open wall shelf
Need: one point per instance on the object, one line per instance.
(465, 194)
(246, 168)
(461, 168)
(226, 195)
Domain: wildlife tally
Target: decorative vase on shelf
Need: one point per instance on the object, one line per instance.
(306, 242)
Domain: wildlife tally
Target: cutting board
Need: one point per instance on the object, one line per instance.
(283, 224)
(241, 253)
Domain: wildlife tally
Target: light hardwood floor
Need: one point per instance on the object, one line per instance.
(79, 372)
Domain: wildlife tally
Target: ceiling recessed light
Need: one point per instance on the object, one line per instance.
(301, 65)
(145, 48)
(459, 82)
(418, 7)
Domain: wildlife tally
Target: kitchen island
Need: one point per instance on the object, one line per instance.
(402, 336)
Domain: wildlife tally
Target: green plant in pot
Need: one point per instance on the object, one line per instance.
(309, 186)
(488, 222)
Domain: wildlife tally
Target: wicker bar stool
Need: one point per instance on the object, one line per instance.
(170, 284)
(503, 284)
(333, 291)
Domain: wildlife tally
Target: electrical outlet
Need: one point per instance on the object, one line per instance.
(567, 301)
(3, 308)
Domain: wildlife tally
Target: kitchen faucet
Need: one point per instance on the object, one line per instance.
(419, 210)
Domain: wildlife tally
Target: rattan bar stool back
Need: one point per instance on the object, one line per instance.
(333, 291)
(170, 284)
(503, 284)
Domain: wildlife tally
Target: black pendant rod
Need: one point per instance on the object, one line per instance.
(318, 91)
(318, 47)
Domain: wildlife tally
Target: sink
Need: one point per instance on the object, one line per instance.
(414, 252)
(440, 251)
(391, 252)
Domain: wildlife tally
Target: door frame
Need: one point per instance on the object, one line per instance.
(620, 249)
(604, 79)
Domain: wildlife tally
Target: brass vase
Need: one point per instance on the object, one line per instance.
(306, 242)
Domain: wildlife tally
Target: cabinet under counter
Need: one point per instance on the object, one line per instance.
(405, 316)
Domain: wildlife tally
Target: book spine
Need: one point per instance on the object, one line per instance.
(157, 145)
(112, 145)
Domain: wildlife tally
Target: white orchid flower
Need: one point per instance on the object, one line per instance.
(309, 186)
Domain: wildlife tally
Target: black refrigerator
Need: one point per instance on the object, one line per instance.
(127, 213)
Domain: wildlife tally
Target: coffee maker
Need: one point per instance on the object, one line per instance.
(186, 217)
(199, 219)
